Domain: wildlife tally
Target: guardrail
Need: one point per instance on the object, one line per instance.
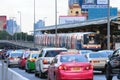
(26, 44)
(8, 74)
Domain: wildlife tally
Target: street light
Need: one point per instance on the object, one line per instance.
(56, 23)
(20, 25)
(44, 19)
(108, 26)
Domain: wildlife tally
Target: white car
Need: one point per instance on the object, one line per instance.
(98, 60)
(44, 60)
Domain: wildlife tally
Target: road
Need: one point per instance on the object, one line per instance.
(97, 75)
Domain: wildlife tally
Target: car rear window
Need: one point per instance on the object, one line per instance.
(98, 55)
(16, 55)
(71, 58)
(35, 55)
(25, 55)
(53, 53)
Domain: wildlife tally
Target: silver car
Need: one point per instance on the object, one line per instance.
(13, 58)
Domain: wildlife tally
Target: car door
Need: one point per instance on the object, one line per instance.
(115, 59)
(37, 63)
(52, 68)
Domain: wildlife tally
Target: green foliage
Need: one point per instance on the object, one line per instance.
(4, 35)
(17, 36)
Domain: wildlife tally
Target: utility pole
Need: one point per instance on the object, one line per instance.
(20, 25)
(108, 26)
(34, 25)
(56, 23)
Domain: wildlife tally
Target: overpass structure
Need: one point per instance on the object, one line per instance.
(84, 24)
(18, 44)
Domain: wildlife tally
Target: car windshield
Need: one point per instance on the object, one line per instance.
(16, 55)
(71, 58)
(98, 55)
(84, 51)
(53, 53)
(108, 52)
(35, 55)
(26, 55)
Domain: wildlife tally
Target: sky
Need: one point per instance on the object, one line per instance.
(44, 10)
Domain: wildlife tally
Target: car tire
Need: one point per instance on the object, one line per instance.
(108, 73)
(55, 77)
(48, 77)
(36, 73)
(41, 75)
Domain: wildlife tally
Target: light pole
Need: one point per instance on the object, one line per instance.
(108, 26)
(34, 25)
(56, 23)
(44, 19)
(20, 25)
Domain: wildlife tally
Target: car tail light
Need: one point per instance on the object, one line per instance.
(32, 60)
(62, 67)
(88, 67)
(45, 61)
(11, 58)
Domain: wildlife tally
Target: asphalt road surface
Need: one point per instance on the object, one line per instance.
(31, 76)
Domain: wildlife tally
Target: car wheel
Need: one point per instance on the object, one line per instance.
(55, 77)
(108, 73)
(48, 77)
(9, 65)
(36, 73)
(103, 71)
(41, 75)
(26, 68)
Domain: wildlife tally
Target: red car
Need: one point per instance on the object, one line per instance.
(23, 59)
(70, 67)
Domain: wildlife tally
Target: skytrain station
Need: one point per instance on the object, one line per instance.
(83, 18)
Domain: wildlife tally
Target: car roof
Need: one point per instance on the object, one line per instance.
(63, 53)
(54, 48)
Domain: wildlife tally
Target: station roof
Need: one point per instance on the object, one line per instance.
(80, 24)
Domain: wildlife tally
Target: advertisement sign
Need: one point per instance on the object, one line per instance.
(102, 2)
(94, 4)
(71, 19)
(2, 22)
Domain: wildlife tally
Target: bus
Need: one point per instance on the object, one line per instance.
(77, 40)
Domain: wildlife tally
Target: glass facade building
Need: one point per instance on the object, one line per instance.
(12, 27)
(95, 13)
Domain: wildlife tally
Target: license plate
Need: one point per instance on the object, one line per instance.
(76, 68)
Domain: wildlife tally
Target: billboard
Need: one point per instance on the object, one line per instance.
(3, 22)
(94, 4)
(85, 4)
(71, 19)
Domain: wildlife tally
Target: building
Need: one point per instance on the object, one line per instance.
(94, 13)
(39, 24)
(12, 27)
(2, 23)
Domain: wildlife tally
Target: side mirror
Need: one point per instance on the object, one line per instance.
(109, 56)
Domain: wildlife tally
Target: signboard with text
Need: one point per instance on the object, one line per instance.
(95, 4)
(71, 19)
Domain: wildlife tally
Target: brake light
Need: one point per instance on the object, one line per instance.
(62, 67)
(88, 67)
(45, 61)
(11, 58)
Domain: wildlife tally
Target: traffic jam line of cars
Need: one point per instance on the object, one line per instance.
(63, 64)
